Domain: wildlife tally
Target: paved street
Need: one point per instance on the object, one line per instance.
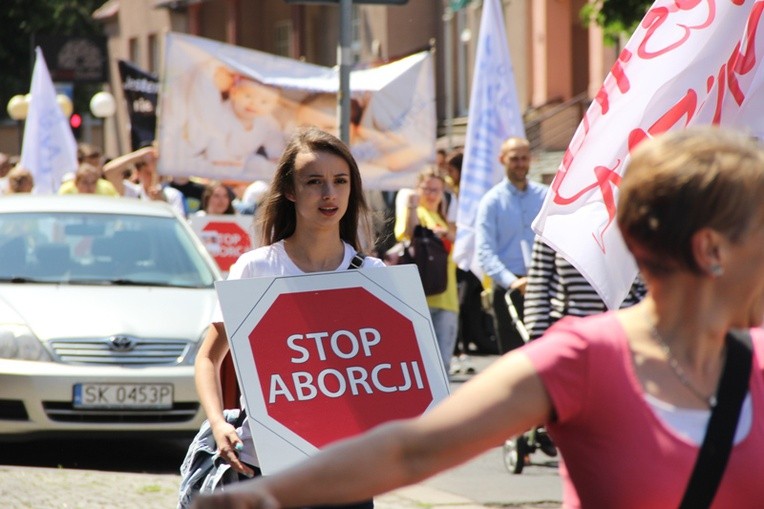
(49, 488)
(142, 474)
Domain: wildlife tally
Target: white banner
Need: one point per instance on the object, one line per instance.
(688, 63)
(494, 116)
(49, 150)
(226, 112)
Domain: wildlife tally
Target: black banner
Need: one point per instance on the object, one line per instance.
(141, 89)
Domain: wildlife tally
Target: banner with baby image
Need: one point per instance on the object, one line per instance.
(226, 112)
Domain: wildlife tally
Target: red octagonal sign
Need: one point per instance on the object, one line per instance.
(226, 241)
(335, 363)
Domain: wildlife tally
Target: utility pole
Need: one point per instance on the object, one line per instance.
(343, 55)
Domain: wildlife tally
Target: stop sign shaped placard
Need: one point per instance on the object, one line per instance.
(362, 368)
(325, 356)
(226, 241)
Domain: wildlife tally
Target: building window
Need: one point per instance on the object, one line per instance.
(154, 54)
(283, 45)
(134, 51)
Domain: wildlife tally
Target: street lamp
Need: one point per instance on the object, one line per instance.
(65, 104)
(18, 109)
(18, 106)
(103, 106)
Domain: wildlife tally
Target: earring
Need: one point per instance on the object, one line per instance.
(716, 270)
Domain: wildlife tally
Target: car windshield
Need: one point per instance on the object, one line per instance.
(80, 248)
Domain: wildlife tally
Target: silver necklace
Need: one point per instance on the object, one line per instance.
(679, 372)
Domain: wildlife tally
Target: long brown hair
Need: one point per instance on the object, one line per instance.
(277, 216)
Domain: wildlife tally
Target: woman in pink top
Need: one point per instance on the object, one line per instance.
(626, 395)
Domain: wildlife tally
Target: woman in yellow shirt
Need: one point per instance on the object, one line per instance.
(427, 207)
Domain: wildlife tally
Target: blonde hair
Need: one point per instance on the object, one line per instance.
(679, 183)
(432, 172)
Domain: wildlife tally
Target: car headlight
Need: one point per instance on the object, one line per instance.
(193, 349)
(18, 342)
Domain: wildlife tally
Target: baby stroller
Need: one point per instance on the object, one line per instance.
(516, 451)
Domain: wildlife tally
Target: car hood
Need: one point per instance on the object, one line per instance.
(73, 311)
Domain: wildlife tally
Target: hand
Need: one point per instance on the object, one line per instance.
(147, 154)
(223, 79)
(439, 230)
(156, 193)
(227, 441)
(519, 284)
(413, 200)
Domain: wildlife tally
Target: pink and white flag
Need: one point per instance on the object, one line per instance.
(689, 62)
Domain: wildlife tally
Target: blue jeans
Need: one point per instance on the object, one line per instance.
(446, 325)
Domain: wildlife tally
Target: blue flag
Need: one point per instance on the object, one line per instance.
(494, 116)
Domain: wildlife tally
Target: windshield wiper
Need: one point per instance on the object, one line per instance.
(23, 279)
(134, 282)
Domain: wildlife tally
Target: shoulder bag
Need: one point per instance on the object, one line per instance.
(427, 251)
(717, 443)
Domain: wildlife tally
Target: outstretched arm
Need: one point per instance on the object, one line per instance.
(506, 399)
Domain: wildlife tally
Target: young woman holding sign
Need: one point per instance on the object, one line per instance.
(648, 383)
(310, 221)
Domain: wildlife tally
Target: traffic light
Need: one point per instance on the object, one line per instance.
(75, 121)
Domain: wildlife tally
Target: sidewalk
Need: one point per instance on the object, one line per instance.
(419, 496)
(50, 488)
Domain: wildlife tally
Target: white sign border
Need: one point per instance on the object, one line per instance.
(399, 287)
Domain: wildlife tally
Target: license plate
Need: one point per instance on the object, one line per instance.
(123, 395)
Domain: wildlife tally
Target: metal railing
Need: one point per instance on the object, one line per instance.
(548, 127)
(551, 127)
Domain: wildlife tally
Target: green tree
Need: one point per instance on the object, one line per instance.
(22, 20)
(616, 17)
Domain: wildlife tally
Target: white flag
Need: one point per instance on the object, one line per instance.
(686, 64)
(49, 150)
(494, 116)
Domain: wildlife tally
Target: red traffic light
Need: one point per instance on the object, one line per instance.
(75, 120)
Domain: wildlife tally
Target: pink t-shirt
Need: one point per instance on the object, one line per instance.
(617, 452)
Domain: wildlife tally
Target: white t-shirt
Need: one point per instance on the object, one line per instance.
(172, 196)
(131, 190)
(273, 260)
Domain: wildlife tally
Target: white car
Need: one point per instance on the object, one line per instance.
(103, 303)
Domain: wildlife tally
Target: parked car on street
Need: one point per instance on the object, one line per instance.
(103, 303)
